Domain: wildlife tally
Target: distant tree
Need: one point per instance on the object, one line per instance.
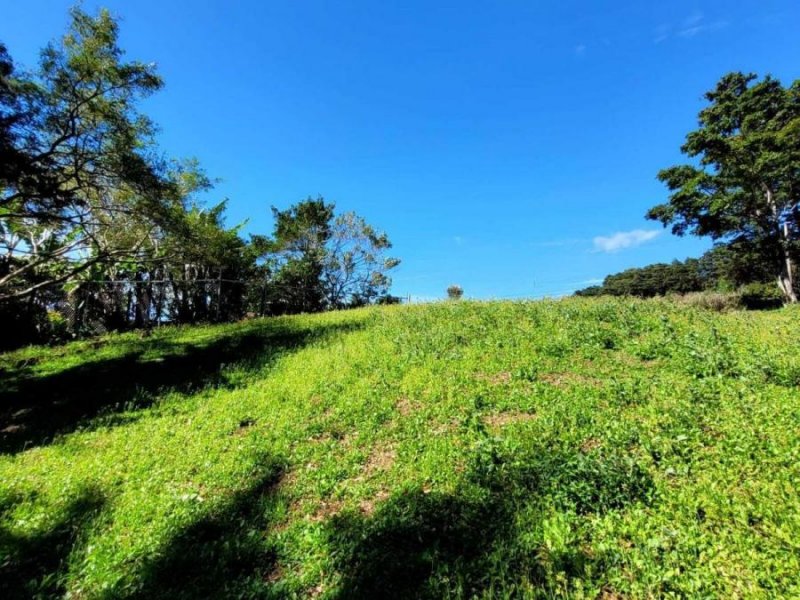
(591, 291)
(388, 299)
(730, 266)
(355, 269)
(455, 292)
(320, 260)
(746, 186)
(677, 277)
(298, 255)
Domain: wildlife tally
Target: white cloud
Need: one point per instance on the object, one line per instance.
(624, 239)
(693, 25)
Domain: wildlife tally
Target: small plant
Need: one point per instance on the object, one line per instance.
(454, 292)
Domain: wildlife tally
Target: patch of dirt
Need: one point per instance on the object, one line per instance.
(380, 459)
(405, 406)
(502, 378)
(507, 418)
(590, 444)
(275, 575)
(243, 426)
(368, 506)
(561, 380)
(326, 510)
(608, 593)
(445, 428)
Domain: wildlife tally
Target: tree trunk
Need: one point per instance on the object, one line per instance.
(786, 278)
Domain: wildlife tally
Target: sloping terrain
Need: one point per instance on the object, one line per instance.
(580, 448)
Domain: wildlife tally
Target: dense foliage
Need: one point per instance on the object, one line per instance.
(98, 231)
(724, 268)
(602, 448)
(745, 187)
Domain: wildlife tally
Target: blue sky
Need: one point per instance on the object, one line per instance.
(510, 147)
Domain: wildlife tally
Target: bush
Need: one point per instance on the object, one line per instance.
(714, 301)
(455, 292)
(57, 327)
(759, 296)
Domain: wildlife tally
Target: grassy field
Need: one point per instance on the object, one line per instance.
(582, 448)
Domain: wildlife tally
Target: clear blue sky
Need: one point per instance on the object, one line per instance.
(494, 141)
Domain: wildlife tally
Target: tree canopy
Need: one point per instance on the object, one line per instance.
(95, 219)
(745, 184)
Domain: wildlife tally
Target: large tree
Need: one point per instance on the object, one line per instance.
(79, 160)
(744, 186)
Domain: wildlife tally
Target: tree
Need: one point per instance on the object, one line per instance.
(321, 260)
(745, 187)
(299, 241)
(355, 270)
(78, 159)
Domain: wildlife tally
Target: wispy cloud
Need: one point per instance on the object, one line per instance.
(458, 240)
(662, 33)
(580, 49)
(693, 25)
(699, 28)
(624, 239)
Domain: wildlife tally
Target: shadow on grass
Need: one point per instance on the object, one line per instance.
(420, 545)
(472, 543)
(223, 555)
(35, 408)
(35, 566)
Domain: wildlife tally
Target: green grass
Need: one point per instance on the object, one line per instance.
(582, 448)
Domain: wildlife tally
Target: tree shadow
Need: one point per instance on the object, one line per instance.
(36, 565)
(419, 545)
(466, 543)
(34, 408)
(224, 555)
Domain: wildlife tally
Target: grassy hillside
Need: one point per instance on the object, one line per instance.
(583, 448)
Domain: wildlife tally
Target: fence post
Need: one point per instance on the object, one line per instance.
(219, 294)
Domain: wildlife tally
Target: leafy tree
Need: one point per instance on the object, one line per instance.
(355, 270)
(322, 261)
(299, 241)
(653, 280)
(82, 159)
(745, 187)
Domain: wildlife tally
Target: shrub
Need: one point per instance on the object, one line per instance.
(455, 292)
(761, 296)
(715, 301)
(57, 326)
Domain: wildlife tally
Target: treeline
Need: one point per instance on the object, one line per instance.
(742, 190)
(724, 268)
(99, 230)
